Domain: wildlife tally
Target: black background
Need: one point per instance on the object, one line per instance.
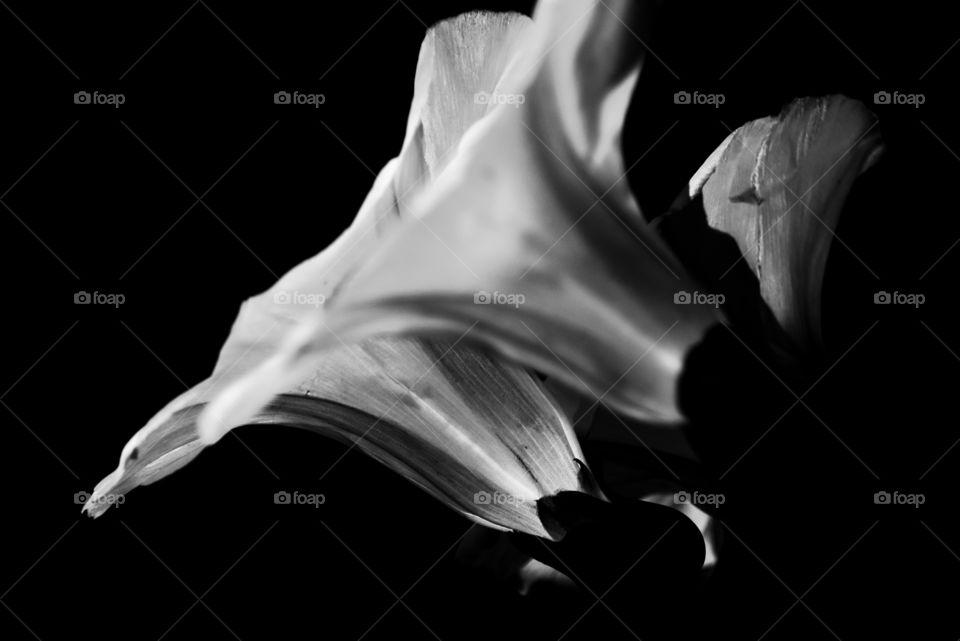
(96, 198)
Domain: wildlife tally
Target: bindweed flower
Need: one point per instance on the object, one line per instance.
(503, 245)
(777, 187)
(481, 435)
(531, 239)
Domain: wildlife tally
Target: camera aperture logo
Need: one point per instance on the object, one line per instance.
(484, 297)
(98, 298)
(487, 98)
(298, 98)
(698, 298)
(98, 98)
(299, 498)
(899, 298)
(494, 498)
(81, 498)
(288, 297)
(898, 98)
(899, 498)
(696, 98)
(698, 498)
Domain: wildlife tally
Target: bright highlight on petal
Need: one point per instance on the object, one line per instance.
(530, 237)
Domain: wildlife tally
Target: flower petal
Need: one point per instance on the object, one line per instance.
(777, 186)
(533, 211)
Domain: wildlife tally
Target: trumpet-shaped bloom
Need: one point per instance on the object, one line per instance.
(480, 434)
(530, 238)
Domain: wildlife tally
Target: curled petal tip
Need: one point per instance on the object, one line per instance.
(94, 509)
(104, 495)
